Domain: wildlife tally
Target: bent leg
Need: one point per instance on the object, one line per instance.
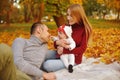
(53, 65)
(65, 59)
(51, 54)
(22, 76)
(71, 59)
(7, 67)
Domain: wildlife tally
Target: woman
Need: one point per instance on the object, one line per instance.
(81, 34)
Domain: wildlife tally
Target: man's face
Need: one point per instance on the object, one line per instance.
(45, 35)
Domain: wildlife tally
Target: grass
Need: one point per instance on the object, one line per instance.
(14, 27)
(23, 26)
(104, 23)
(26, 26)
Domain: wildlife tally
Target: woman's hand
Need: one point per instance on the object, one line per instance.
(59, 50)
(67, 46)
(61, 42)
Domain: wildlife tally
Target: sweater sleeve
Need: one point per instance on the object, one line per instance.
(23, 65)
(55, 45)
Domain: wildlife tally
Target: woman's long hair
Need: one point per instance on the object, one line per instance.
(78, 13)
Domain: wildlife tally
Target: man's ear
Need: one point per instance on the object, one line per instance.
(39, 30)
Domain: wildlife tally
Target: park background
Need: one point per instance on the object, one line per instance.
(17, 16)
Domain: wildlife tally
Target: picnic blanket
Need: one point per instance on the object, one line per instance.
(88, 70)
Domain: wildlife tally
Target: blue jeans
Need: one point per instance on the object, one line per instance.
(52, 64)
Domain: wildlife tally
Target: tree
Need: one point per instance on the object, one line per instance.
(37, 10)
(57, 9)
(16, 15)
(26, 6)
(112, 5)
(33, 9)
(6, 8)
(76, 1)
(90, 6)
(115, 4)
(103, 8)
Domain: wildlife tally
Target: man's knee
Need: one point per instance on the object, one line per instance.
(5, 49)
(6, 56)
(5, 52)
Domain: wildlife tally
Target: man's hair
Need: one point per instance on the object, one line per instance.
(34, 26)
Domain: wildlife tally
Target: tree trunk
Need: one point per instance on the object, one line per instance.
(41, 11)
(118, 17)
(25, 17)
(8, 18)
(38, 16)
(59, 20)
(27, 13)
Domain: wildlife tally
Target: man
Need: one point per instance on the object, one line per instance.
(30, 54)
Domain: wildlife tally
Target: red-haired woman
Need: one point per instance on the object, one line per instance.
(81, 33)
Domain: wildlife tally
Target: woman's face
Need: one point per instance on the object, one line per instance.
(71, 20)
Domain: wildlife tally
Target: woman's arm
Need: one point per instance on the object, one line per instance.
(81, 43)
(79, 50)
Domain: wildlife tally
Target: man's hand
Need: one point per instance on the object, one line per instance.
(49, 76)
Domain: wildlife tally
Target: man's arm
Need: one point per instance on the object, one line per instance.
(18, 47)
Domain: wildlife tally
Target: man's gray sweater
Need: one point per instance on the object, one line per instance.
(29, 55)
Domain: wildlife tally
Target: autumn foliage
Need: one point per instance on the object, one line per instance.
(105, 44)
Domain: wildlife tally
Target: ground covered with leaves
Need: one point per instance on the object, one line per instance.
(105, 44)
